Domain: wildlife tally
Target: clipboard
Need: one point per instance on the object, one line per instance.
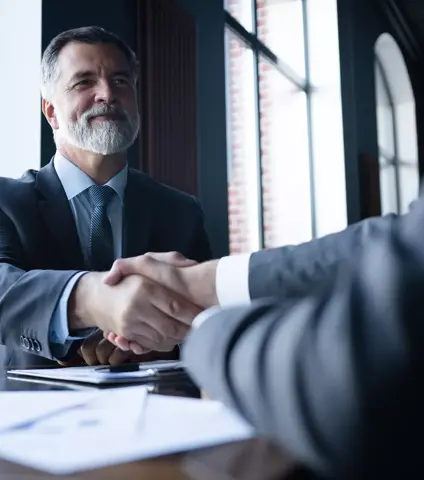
(148, 372)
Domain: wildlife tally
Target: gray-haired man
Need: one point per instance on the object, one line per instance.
(85, 209)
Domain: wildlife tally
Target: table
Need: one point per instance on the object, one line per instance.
(248, 460)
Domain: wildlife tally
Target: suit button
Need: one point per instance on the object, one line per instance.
(21, 339)
(25, 343)
(37, 345)
(31, 344)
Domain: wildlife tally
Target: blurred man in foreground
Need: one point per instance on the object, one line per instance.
(336, 376)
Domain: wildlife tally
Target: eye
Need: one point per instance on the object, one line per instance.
(83, 83)
(120, 81)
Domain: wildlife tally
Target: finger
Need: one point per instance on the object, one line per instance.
(104, 350)
(122, 343)
(146, 320)
(118, 357)
(111, 337)
(126, 345)
(148, 344)
(135, 265)
(88, 348)
(138, 349)
(163, 326)
(156, 326)
(173, 305)
(114, 275)
(122, 267)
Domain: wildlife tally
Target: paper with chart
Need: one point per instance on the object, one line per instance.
(20, 407)
(168, 425)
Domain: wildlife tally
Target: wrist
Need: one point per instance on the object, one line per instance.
(80, 301)
(202, 284)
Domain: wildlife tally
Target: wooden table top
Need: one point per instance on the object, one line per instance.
(248, 460)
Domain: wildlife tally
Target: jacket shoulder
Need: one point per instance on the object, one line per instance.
(162, 191)
(29, 176)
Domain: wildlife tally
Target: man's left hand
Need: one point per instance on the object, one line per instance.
(96, 350)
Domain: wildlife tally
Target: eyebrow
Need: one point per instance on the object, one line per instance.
(90, 73)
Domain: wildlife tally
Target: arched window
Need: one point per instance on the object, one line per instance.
(397, 128)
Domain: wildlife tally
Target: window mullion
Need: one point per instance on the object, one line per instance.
(309, 120)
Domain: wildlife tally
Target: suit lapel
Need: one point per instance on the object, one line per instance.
(56, 212)
(137, 216)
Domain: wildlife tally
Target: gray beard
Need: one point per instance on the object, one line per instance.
(107, 138)
(104, 138)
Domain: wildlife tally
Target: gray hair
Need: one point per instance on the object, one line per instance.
(90, 35)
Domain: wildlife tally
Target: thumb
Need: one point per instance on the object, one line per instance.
(136, 265)
(122, 268)
(175, 259)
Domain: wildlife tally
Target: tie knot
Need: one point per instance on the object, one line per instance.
(101, 195)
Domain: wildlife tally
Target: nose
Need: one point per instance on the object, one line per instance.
(105, 92)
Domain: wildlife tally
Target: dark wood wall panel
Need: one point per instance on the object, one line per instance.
(167, 52)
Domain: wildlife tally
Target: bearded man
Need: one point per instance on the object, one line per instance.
(63, 226)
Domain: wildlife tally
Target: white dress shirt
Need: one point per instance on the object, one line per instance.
(232, 286)
(76, 184)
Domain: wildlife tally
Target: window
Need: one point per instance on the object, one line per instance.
(285, 137)
(397, 134)
(20, 55)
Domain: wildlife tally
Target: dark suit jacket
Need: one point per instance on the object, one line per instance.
(40, 251)
(336, 377)
(296, 270)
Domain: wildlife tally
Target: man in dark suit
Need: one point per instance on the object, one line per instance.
(85, 209)
(336, 377)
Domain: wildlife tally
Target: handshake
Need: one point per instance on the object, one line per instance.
(142, 304)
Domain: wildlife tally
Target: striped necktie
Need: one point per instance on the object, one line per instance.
(101, 252)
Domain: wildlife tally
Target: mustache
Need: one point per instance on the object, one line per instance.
(105, 109)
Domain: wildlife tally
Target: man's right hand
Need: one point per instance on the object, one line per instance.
(139, 309)
(196, 282)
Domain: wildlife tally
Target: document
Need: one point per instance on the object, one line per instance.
(18, 408)
(76, 442)
(98, 375)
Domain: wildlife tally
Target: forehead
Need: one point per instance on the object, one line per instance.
(76, 57)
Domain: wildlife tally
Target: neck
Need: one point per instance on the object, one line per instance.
(100, 168)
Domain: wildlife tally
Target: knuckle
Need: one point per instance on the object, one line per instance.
(100, 349)
(147, 286)
(84, 349)
(126, 331)
(156, 336)
(174, 307)
(144, 260)
(118, 357)
(117, 263)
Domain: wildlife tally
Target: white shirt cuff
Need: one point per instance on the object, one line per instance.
(232, 280)
(205, 315)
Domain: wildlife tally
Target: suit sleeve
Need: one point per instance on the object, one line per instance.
(27, 298)
(200, 249)
(337, 377)
(293, 271)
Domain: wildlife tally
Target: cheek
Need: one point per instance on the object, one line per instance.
(77, 107)
(129, 102)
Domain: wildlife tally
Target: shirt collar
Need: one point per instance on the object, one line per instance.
(75, 181)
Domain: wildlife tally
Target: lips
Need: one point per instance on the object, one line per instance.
(108, 116)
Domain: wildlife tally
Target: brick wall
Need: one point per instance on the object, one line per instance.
(237, 188)
(240, 233)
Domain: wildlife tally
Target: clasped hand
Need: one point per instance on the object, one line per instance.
(144, 303)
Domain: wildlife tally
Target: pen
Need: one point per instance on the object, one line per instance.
(129, 367)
